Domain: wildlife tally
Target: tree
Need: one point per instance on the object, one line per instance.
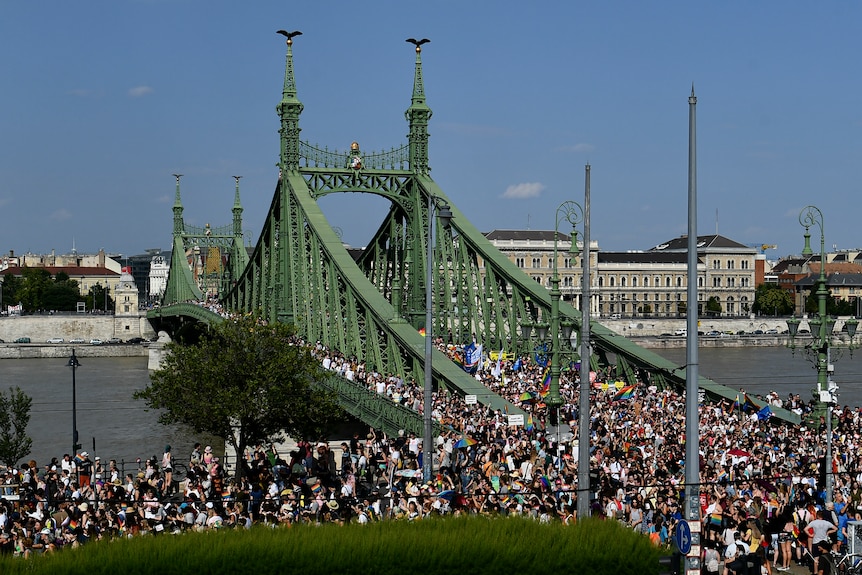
(244, 381)
(15, 444)
(772, 299)
(713, 306)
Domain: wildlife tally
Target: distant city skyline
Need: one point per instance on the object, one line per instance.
(98, 116)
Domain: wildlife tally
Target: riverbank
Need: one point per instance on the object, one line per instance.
(54, 351)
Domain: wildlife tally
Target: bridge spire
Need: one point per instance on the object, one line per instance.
(237, 211)
(289, 110)
(418, 115)
(178, 209)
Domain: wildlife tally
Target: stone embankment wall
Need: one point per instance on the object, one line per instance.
(40, 328)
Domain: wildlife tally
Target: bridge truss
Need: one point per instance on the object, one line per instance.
(370, 305)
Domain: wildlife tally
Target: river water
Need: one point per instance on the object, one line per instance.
(760, 370)
(123, 429)
(120, 427)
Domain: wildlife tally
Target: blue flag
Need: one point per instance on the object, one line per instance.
(517, 364)
(764, 413)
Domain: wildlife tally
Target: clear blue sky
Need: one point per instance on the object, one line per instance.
(103, 100)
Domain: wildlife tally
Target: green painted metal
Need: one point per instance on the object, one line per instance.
(371, 308)
(185, 310)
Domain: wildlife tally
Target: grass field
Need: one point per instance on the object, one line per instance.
(471, 545)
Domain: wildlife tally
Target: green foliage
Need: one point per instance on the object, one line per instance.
(467, 545)
(15, 444)
(771, 299)
(11, 287)
(713, 306)
(243, 381)
(36, 290)
(99, 298)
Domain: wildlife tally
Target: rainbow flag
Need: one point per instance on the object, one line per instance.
(73, 525)
(78, 458)
(663, 401)
(715, 519)
(546, 383)
(316, 489)
(225, 494)
(626, 392)
(529, 425)
(422, 331)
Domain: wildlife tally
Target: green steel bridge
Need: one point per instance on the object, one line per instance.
(371, 305)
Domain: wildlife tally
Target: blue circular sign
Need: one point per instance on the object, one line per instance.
(682, 537)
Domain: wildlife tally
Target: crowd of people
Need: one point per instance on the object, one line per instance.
(762, 480)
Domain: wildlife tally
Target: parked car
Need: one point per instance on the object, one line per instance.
(773, 331)
(77, 340)
(22, 340)
(713, 333)
(683, 331)
(1, 341)
(135, 340)
(114, 341)
(55, 340)
(95, 341)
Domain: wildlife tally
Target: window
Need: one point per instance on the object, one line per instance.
(731, 282)
(537, 262)
(623, 281)
(519, 262)
(667, 281)
(716, 265)
(699, 282)
(716, 282)
(567, 281)
(567, 263)
(730, 264)
(613, 281)
(601, 281)
(678, 282)
(635, 281)
(743, 265)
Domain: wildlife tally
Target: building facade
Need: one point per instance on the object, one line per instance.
(651, 283)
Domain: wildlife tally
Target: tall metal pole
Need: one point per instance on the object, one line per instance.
(584, 387)
(692, 436)
(427, 436)
(74, 364)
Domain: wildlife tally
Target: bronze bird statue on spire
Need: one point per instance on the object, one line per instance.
(418, 43)
(289, 35)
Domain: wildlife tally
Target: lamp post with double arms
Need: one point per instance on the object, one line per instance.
(444, 214)
(821, 335)
(574, 214)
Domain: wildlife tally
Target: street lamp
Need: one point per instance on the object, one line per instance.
(821, 338)
(74, 364)
(573, 213)
(444, 214)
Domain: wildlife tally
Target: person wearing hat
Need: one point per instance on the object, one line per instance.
(85, 469)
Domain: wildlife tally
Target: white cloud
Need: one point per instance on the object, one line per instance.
(139, 91)
(60, 215)
(524, 191)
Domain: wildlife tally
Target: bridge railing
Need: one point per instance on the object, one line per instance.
(394, 159)
(380, 412)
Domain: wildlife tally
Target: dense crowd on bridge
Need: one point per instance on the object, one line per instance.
(754, 469)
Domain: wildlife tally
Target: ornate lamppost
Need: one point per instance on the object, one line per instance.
(74, 364)
(444, 214)
(821, 344)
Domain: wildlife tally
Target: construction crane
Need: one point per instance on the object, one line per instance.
(763, 247)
